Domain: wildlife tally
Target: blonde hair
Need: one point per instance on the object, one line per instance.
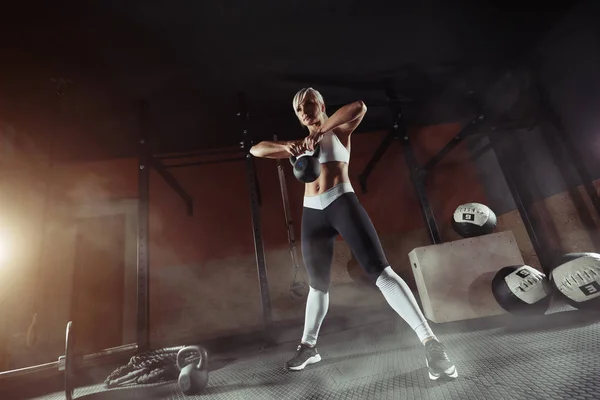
(300, 97)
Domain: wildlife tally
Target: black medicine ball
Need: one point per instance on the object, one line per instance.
(522, 290)
(577, 280)
(473, 219)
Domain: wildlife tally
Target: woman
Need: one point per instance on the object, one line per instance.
(330, 208)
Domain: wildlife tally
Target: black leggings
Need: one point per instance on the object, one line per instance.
(347, 217)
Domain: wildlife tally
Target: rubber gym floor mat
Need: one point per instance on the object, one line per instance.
(556, 356)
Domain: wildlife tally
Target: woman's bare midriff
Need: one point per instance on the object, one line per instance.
(332, 173)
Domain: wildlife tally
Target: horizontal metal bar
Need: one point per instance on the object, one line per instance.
(90, 359)
(331, 107)
(15, 373)
(199, 153)
(196, 163)
(110, 352)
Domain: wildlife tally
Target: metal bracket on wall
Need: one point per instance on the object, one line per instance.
(162, 168)
(470, 129)
(418, 174)
(172, 181)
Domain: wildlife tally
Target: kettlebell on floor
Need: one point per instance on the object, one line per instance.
(193, 377)
(307, 167)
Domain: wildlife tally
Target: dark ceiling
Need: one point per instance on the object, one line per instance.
(189, 59)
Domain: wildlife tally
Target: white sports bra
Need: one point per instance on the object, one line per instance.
(332, 149)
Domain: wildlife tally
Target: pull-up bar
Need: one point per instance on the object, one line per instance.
(156, 162)
(197, 163)
(200, 153)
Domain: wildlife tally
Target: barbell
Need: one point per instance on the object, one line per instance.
(193, 376)
(71, 360)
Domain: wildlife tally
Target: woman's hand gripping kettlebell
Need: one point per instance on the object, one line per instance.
(307, 167)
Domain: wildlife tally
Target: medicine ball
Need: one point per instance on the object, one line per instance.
(522, 290)
(577, 279)
(473, 219)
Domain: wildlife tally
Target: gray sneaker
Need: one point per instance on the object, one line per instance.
(304, 356)
(438, 362)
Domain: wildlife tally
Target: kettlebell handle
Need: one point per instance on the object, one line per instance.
(181, 354)
(315, 154)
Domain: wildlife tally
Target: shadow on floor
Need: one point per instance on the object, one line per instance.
(564, 319)
(552, 322)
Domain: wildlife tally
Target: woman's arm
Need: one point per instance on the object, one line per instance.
(272, 149)
(343, 122)
(346, 119)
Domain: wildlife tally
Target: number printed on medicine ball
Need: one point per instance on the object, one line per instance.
(577, 279)
(473, 219)
(591, 289)
(523, 273)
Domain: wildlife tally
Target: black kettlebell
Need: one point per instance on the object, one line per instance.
(307, 167)
(193, 377)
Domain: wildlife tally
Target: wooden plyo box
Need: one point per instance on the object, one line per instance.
(454, 279)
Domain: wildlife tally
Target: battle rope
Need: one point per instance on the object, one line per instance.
(150, 367)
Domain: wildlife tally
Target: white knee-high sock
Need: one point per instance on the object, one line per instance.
(400, 298)
(317, 304)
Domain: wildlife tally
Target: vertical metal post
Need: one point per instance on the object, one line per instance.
(48, 170)
(261, 264)
(259, 249)
(298, 290)
(577, 159)
(506, 167)
(565, 161)
(417, 174)
(417, 177)
(143, 332)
